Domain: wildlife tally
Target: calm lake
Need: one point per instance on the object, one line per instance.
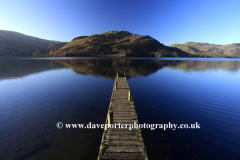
(36, 93)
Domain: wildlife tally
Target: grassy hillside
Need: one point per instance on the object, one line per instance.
(118, 44)
(14, 43)
(210, 50)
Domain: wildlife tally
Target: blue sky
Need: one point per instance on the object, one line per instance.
(168, 21)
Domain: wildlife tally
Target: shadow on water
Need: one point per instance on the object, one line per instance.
(39, 147)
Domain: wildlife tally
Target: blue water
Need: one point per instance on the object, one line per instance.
(209, 98)
(35, 94)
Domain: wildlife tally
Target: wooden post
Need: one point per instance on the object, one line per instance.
(110, 107)
(125, 79)
(129, 95)
(124, 74)
(117, 75)
(110, 117)
(115, 85)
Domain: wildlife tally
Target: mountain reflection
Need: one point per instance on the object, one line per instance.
(141, 67)
(107, 68)
(18, 68)
(207, 65)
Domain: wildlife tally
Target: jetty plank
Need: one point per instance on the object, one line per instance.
(122, 143)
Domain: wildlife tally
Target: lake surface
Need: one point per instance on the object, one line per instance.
(36, 93)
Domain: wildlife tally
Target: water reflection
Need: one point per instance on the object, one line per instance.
(31, 106)
(207, 65)
(17, 68)
(139, 67)
(108, 68)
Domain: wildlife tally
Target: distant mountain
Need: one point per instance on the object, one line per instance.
(210, 50)
(57, 45)
(117, 44)
(48, 50)
(14, 43)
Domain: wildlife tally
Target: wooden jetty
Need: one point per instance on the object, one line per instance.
(122, 143)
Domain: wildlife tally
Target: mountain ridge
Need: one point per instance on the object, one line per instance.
(110, 44)
(210, 50)
(15, 43)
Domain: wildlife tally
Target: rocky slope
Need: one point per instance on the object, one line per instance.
(118, 44)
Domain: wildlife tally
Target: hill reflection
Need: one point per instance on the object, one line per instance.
(108, 68)
(18, 68)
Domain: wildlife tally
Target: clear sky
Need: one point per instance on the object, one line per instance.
(168, 21)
